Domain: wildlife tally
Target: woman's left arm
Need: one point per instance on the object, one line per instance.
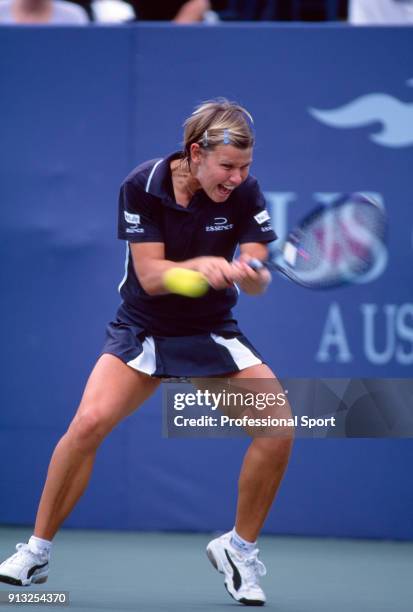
(251, 282)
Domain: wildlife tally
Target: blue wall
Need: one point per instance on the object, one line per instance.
(79, 109)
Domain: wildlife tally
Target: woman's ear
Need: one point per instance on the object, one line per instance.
(195, 153)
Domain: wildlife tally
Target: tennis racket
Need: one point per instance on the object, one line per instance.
(336, 244)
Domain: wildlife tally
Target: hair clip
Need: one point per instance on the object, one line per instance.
(226, 137)
(205, 139)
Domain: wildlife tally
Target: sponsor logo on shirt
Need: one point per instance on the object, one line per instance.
(133, 220)
(262, 217)
(220, 225)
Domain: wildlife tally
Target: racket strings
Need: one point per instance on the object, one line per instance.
(339, 245)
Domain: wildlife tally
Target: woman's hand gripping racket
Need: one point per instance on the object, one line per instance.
(336, 244)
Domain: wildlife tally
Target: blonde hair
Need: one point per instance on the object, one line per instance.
(217, 122)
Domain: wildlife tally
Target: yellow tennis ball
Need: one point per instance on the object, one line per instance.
(185, 282)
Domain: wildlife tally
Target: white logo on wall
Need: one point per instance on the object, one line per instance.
(386, 332)
(220, 225)
(134, 221)
(394, 115)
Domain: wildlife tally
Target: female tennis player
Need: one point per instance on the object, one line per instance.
(189, 210)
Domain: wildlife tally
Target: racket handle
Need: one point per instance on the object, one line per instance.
(256, 264)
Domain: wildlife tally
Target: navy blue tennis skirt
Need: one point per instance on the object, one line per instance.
(203, 355)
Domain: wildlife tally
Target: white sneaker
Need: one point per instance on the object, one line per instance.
(241, 571)
(24, 567)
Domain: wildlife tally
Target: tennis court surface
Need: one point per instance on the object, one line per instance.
(151, 572)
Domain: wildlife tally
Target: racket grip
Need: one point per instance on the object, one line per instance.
(256, 264)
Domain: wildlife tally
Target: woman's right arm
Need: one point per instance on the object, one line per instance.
(150, 265)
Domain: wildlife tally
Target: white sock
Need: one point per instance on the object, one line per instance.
(38, 546)
(240, 544)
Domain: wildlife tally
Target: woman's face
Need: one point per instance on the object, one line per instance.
(221, 170)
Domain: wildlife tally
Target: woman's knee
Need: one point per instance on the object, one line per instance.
(275, 448)
(88, 429)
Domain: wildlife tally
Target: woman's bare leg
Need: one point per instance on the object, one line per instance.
(263, 467)
(113, 391)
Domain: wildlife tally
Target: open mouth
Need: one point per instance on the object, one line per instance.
(225, 191)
